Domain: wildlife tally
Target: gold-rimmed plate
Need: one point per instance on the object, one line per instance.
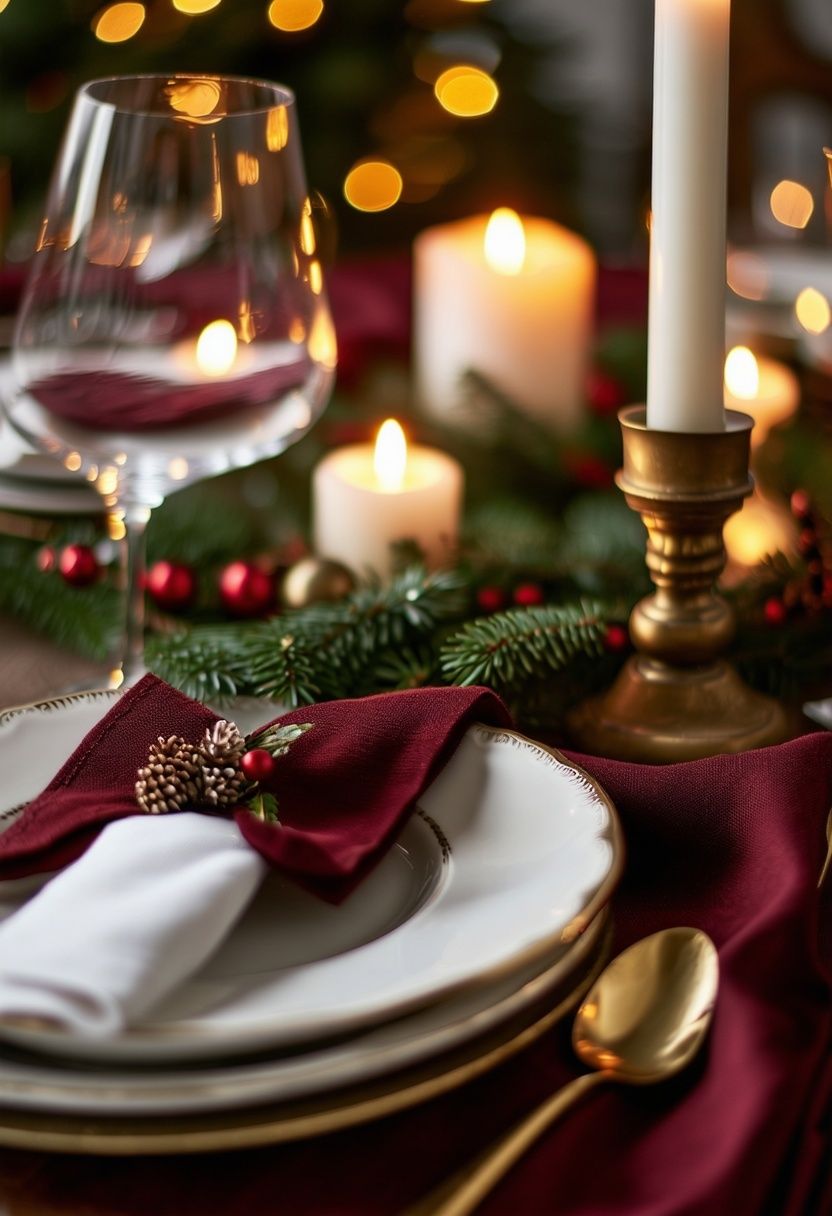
(328, 1112)
(515, 851)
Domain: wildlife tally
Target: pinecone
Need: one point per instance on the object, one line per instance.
(222, 781)
(171, 778)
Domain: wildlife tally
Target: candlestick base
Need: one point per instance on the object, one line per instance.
(677, 699)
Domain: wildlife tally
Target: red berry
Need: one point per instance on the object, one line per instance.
(801, 504)
(605, 394)
(588, 470)
(78, 565)
(616, 638)
(528, 595)
(258, 764)
(171, 585)
(775, 611)
(245, 589)
(807, 542)
(491, 599)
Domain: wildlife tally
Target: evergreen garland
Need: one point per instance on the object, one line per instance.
(524, 646)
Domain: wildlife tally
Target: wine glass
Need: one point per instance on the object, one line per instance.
(174, 324)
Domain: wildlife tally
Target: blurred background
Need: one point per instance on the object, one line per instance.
(543, 105)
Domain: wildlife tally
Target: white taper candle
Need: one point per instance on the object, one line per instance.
(687, 262)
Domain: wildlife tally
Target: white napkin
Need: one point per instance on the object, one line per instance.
(121, 927)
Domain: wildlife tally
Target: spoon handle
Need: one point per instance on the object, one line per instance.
(469, 1187)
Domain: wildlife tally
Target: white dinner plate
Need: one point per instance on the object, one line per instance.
(38, 1083)
(512, 852)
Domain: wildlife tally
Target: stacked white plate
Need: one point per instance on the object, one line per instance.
(481, 927)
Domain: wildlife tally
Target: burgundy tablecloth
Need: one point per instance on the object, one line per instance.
(733, 845)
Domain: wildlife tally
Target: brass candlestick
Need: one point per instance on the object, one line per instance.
(676, 699)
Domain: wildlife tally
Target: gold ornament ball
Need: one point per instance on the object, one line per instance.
(316, 580)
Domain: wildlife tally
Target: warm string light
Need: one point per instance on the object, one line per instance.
(792, 204)
(466, 91)
(290, 16)
(192, 8)
(812, 311)
(118, 22)
(373, 185)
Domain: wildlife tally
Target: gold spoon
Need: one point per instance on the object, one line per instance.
(643, 1020)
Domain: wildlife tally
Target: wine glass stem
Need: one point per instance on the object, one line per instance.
(133, 567)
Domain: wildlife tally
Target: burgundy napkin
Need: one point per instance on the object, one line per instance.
(126, 402)
(344, 789)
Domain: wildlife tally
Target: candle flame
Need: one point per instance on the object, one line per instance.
(505, 242)
(216, 348)
(390, 456)
(742, 374)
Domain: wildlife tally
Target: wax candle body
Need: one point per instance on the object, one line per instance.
(687, 262)
(528, 330)
(356, 520)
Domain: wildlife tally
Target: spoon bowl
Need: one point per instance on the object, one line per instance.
(645, 1017)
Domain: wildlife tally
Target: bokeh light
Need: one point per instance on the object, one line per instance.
(193, 8)
(373, 185)
(4, 4)
(792, 204)
(812, 310)
(466, 91)
(292, 15)
(118, 22)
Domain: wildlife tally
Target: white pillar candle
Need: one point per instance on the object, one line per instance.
(366, 498)
(687, 262)
(511, 299)
(764, 388)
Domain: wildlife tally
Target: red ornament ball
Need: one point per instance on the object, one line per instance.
(171, 585)
(491, 599)
(78, 565)
(616, 638)
(801, 504)
(775, 611)
(528, 595)
(245, 589)
(258, 764)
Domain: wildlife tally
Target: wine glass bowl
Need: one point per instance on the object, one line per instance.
(175, 323)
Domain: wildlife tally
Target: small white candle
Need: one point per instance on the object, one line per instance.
(512, 299)
(764, 388)
(687, 262)
(366, 498)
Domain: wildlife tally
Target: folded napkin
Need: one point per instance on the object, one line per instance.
(153, 895)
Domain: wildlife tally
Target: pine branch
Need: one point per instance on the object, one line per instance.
(524, 645)
(317, 653)
(85, 619)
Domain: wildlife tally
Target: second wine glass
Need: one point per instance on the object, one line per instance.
(175, 323)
